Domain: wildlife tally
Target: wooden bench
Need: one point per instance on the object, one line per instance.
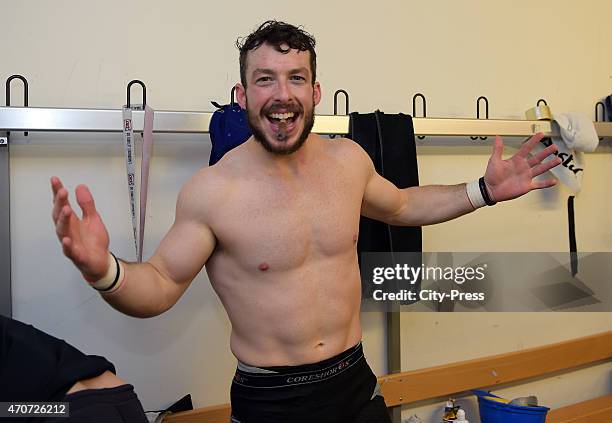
(597, 410)
(486, 372)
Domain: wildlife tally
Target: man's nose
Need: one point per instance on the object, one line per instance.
(283, 92)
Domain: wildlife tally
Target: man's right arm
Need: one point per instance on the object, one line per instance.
(150, 288)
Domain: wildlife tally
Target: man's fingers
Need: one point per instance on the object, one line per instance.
(61, 224)
(543, 167)
(498, 147)
(528, 146)
(56, 184)
(71, 250)
(62, 227)
(67, 246)
(542, 155)
(86, 201)
(60, 200)
(543, 184)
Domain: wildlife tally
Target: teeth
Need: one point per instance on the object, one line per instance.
(282, 116)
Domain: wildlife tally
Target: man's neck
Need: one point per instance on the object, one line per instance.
(287, 163)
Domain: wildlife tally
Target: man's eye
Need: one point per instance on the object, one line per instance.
(264, 79)
(298, 78)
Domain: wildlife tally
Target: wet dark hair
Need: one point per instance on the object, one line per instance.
(277, 34)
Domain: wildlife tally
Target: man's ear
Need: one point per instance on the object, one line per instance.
(317, 93)
(241, 95)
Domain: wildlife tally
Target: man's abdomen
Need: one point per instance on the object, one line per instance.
(292, 317)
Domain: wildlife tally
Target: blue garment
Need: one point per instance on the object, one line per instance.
(229, 127)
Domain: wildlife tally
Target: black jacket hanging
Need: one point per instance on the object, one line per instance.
(389, 141)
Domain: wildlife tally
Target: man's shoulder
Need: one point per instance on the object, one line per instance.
(232, 161)
(347, 149)
(204, 178)
(204, 190)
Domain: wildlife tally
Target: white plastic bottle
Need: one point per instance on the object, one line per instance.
(460, 417)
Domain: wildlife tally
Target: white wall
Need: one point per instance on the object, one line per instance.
(514, 53)
(82, 54)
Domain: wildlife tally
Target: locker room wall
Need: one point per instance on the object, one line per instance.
(78, 54)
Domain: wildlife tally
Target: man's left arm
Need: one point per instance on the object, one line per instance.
(426, 205)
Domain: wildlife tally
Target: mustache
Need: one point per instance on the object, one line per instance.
(285, 107)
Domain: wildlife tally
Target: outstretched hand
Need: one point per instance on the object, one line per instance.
(84, 241)
(511, 178)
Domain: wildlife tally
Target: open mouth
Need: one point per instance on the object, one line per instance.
(282, 123)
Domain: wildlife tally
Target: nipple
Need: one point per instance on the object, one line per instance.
(264, 266)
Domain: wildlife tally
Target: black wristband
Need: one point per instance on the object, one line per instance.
(112, 285)
(485, 192)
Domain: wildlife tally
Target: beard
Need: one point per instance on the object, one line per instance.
(270, 146)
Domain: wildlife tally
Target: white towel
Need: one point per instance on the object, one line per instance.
(577, 135)
(577, 131)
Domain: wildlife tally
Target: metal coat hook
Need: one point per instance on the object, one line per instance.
(482, 97)
(346, 102)
(421, 137)
(25, 92)
(144, 92)
(541, 101)
(603, 113)
(346, 105)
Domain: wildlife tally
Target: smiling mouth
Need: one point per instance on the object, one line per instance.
(282, 123)
(282, 117)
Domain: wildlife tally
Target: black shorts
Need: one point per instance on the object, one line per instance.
(108, 405)
(339, 389)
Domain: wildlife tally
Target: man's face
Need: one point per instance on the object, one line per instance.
(279, 98)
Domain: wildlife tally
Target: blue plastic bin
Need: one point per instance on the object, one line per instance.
(498, 412)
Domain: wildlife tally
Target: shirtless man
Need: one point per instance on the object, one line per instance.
(275, 222)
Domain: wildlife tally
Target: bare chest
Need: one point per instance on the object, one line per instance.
(285, 223)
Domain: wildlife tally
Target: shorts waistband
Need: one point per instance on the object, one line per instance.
(100, 393)
(279, 376)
